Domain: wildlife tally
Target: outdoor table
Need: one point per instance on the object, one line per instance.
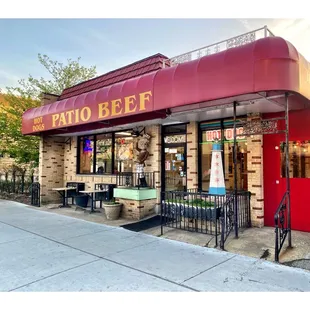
(63, 193)
(91, 193)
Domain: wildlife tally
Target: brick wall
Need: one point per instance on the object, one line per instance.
(153, 163)
(255, 177)
(51, 167)
(192, 155)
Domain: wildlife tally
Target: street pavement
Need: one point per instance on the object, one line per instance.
(47, 252)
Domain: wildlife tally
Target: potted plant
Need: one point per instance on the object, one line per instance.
(81, 200)
(112, 209)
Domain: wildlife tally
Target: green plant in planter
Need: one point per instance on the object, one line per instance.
(195, 202)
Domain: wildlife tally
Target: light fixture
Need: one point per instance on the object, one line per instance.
(125, 133)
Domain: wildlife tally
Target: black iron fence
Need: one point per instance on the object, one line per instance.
(205, 213)
(20, 184)
(281, 225)
(16, 183)
(136, 179)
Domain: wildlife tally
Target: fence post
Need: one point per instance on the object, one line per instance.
(14, 181)
(161, 213)
(23, 182)
(276, 242)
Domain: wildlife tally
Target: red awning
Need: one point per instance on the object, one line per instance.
(267, 64)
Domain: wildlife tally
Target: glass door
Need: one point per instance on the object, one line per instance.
(175, 168)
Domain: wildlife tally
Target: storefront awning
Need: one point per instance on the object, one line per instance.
(268, 64)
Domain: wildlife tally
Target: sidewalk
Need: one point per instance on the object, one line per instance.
(43, 251)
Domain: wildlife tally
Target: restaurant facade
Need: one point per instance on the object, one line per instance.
(89, 133)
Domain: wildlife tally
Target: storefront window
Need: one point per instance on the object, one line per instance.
(104, 153)
(107, 153)
(299, 159)
(86, 154)
(123, 152)
(223, 130)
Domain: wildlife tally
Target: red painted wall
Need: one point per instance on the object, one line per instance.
(299, 129)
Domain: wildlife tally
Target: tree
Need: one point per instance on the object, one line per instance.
(25, 149)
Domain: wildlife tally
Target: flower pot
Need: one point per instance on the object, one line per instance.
(81, 200)
(112, 210)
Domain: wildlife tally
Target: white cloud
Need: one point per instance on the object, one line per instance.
(296, 31)
(8, 79)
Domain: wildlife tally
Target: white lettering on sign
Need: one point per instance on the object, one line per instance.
(228, 133)
(175, 139)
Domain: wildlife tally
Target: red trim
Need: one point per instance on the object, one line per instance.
(267, 64)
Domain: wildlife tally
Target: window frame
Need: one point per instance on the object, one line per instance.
(302, 174)
(221, 127)
(78, 161)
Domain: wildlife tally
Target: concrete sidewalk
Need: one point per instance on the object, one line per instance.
(41, 251)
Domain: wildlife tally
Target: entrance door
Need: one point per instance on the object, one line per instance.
(175, 167)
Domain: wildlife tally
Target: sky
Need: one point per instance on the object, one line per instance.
(113, 43)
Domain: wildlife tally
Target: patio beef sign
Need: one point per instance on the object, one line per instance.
(119, 107)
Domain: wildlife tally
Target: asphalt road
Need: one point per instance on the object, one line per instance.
(41, 251)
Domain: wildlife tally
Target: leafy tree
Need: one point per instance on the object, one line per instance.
(25, 149)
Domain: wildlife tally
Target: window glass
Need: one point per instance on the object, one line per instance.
(86, 154)
(104, 153)
(123, 152)
(215, 130)
(299, 159)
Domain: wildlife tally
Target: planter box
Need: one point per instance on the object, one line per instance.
(112, 211)
(191, 212)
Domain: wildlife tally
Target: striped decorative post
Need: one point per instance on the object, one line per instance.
(217, 182)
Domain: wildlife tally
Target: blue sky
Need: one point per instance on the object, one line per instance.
(112, 43)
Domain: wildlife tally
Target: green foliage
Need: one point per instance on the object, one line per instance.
(193, 202)
(25, 149)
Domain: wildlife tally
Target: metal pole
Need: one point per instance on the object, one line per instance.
(235, 172)
(265, 31)
(287, 170)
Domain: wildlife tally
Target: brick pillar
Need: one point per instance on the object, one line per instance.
(255, 176)
(51, 167)
(192, 155)
(153, 163)
(70, 159)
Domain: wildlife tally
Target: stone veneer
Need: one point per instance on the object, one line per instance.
(255, 176)
(192, 155)
(134, 209)
(51, 167)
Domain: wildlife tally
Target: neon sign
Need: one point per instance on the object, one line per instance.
(87, 146)
(228, 134)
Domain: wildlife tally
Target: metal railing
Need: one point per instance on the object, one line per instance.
(15, 183)
(240, 40)
(202, 212)
(281, 225)
(136, 179)
(20, 184)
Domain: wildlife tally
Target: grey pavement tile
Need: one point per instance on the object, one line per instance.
(31, 259)
(108, 242)
(244, 274)
(9, 234)
(62, 231)
(176, 261)
(102, 276)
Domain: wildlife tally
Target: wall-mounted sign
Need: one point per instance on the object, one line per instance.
(228, 133)
(175, 139)
(89, 112)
